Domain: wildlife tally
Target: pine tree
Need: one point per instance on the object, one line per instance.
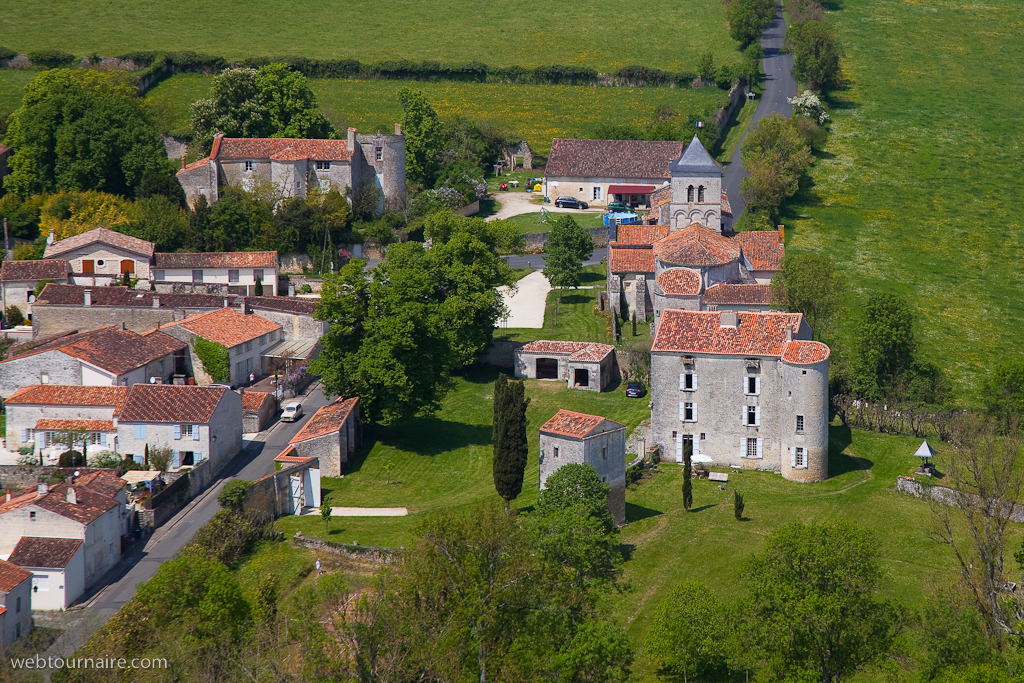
(687, 476)
(738, 505)
(147, 455)
(509, 438)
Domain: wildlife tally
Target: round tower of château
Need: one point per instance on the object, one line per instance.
(805, 411)
(394, 169)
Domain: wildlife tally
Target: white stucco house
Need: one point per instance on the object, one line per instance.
(19, 279)
(58, 569)
(235, 272)
(15, 603)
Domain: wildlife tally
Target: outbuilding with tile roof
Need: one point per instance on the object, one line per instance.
(589, 366)
(15, 603)
(577, 438)
(57, 566)
(19, 279)
(331, 436)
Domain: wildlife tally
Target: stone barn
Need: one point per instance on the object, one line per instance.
(582, 365)
(258, 409)
(578, 438)
(331, 435)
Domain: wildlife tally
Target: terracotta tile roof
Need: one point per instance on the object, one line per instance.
(696, 245)
(105, 482)
(171, 403)
(328, 419)
(661, 196)
(640, 234)
(805, 352)
(55, 341)
(579, 425)
(44, 553)
(74, 295)
(679, 281)
(120, 351)
(89, 507)
(228, 327)
(89, 425)
(31, 271)
(726, 206)
(631, 260)
(576, 351)
(70, 395)
(757, 334)
(11, 576)
(285, 304)
(724, 294)
(764, 249)
(194, 165)
(252, 401)
(611, 158)
(220, 259)
(265, 148)
(103, 235)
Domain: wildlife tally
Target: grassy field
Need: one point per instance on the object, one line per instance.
(604, 36)
(537, 112)
(12, 88)
(919, 191)
(574, 319)
(533, 222)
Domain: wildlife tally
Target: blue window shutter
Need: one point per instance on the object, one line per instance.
(176, 459)
(177, 432)
(24, 435)
(195, 432)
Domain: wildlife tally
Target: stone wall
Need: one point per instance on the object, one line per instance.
(501, 354)
(947, 496)
(271, 494)
(354, 552)
(48, 319)
(535, 241)
(468, 209)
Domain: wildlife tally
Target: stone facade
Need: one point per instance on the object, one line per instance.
(696, 190)
(285, 492)
(600, 443)
(331, 436)
(581, 365)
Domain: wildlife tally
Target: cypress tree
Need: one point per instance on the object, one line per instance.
(509, 438)
(687, 476)
(738, 505)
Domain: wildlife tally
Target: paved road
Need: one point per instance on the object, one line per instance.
(141, 564)
(536, 261)
(778, 85)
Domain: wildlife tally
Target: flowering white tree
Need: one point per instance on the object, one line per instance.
(808, 105)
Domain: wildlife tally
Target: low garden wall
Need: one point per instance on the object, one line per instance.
(535, 241)
(353, 552)
(501, 354)
(945, 495)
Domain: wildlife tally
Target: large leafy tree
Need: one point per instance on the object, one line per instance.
(748, 19)
(568, 246)
(816, 55)
(577, 484)
(688, 634)
(1003, 393)
(395, 338)
(270, 102)
(509, 438)
(885, 344)
(424, 136)
(809, 283)
(82, 130)
(812, 604)
(776, 156)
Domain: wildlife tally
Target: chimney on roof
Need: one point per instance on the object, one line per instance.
(225, 303)
(120, 326)
(183, 163)
(789, 333)
(8, 495)
(351, 139)
(782, 234)
(44, 488)
(156, 304)
(71, 496)
(87, 294)
(729, 319)
(398, 129)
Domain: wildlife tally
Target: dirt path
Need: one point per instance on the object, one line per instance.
(517, 203)
(526, 305)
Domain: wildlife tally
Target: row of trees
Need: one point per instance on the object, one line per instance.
(815, 47)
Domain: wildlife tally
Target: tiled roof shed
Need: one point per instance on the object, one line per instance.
(640, 234)
(253, 401)
(100, 235)
(726, 294)
(570, 157)
(763, 249)
(631, 259)
(283, 304)
(328, 419)
(11, 576)
(221, 259)
(33, 271)
(44, 553)
(171, 403)
(582, 351)
(756, 334)
(572, 424)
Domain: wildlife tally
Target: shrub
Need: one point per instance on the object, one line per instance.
(14, 316)
(159, 459)
(232, 497)
(297, 378)
(816, 53)
(52, 59)
(7, 53)
(738, 505)
(129, 465)
(214, 358)
(634, 473)
(306, 289)
(105, 460)
(230, 535)
(71, 459)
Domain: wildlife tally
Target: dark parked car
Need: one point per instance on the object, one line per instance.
(570, 203)
(635, 390)
(618, 207)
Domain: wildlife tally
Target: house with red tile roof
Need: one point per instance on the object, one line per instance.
(81, 509)
(331, 436)
(588, 366)
(577, 438)
(106, 356)
(295, 167)
(747, 389)
(233, 272)
(194, 423)
(244, 334)
(19, 279)
(41, 416)
(57, 566)
(15, 603)
(103, 256)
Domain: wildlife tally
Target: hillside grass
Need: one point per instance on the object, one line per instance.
(919, 191)
(602, 35)
(12, 88)
(537, 112)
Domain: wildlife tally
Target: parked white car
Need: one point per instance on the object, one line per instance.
(292, 411)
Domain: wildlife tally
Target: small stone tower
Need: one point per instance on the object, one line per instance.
(383, 165)
(804, 368)
(696, 189)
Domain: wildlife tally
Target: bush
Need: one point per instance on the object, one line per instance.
(160, 459)
(129, 465)
(230, 535)
(232, 497)
(71, 459)
(634, 473)
(52, 59)
(7, 53)
(14, 316)
(106, 460)
(749, 18)
(306, 289)
(738, 505)
(816, 53)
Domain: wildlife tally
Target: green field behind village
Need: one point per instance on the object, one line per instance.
(603, 34)
(919, 189)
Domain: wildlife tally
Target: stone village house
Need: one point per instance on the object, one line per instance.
(102, 257)
(58, 569)
(588, 366)
(38, 415)
(15, 603)
(19, 279)
(331, 435)
(578, 438)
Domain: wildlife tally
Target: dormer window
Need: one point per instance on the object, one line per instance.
(248, 165)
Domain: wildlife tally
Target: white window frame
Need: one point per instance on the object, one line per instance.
(684, 378)
(249, 165)
(798, 457)
(232, 274)
(596, 194)
(323, 165)
(378, 153)
(200, 273)
(751, 410)
(757, 385)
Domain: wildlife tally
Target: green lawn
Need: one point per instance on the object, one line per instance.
(12, 88)
(603, 36)
(537, 112)
(574, 319)
(919, 191)
(444, 461)
(534, 222)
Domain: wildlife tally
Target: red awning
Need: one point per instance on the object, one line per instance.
(630, 189)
